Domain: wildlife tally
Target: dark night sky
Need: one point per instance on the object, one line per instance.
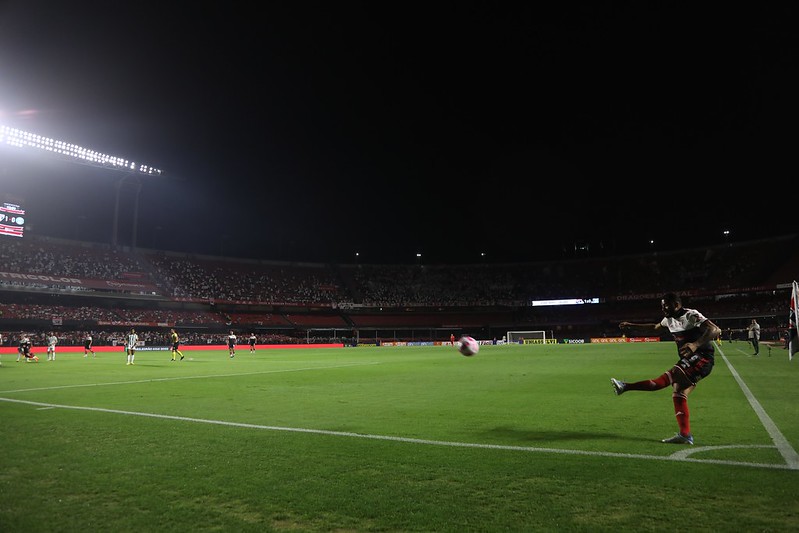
(305, 131)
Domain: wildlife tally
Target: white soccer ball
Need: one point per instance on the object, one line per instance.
(468, 346)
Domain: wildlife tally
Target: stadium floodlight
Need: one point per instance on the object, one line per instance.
(23, 139)
(77, 154)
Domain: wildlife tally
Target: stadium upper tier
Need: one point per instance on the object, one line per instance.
(40, 264)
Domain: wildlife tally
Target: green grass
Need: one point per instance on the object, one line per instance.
(517, 438)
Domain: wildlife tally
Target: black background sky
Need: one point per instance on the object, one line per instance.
(311, 131)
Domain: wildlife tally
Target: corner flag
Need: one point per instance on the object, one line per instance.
(793, 341)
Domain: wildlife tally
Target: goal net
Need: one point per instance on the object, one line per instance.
(529, 337)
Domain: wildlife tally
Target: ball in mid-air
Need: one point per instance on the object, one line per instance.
(468, 346)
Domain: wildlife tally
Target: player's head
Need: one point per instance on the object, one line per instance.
(671, 303)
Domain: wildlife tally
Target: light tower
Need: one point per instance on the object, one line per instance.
(76, 154)
(137, 185)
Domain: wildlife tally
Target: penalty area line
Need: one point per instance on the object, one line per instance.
(529, 449)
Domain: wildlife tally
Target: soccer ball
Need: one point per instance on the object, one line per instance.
(468, 346)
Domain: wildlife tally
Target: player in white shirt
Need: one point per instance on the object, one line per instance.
(52, 340)
(130, 345)
(694, 335)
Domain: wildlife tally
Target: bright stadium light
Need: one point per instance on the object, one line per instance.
(23, 139)
(72, 152)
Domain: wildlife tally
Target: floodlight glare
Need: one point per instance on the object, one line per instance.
(23, 139)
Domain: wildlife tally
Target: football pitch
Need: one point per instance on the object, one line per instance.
(516, 438)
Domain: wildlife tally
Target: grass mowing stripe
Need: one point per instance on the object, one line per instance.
(518, 438)
(154, 380)
(678, 456)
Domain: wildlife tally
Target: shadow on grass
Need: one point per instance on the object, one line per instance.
(550, 436)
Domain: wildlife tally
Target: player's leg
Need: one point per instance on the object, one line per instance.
(680, 399)
(660, 382)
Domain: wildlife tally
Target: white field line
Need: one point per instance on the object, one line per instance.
(680, 456)
(782, 444)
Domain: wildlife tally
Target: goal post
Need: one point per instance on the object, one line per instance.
(530, 337)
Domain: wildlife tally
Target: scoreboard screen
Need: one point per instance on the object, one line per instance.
(12, 220)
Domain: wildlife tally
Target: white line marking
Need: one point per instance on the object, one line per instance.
(791, 458)
(782, 444)
(690, 450)
(672, 457)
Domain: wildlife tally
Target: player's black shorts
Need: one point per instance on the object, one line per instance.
(175, 345)
(690, 370)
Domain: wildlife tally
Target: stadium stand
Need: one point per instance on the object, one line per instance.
(77, 287)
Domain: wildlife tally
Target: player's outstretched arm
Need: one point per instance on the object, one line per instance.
(627, 326)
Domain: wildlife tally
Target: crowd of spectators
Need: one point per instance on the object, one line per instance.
(85, 313)
(244, 281)
(722, 277)
(66, 259)
(185, 277)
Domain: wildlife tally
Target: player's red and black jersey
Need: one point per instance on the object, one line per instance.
(685, 328)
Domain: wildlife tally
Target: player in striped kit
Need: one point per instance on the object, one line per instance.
(130, 345)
